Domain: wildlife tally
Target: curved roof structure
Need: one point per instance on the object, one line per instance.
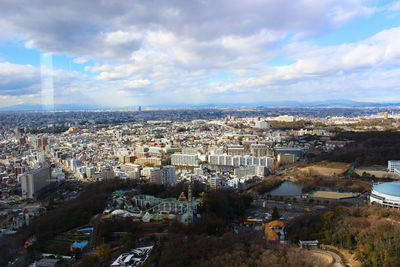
(392, 188)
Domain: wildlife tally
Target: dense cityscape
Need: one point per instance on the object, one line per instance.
(133, 188)
(211, 133)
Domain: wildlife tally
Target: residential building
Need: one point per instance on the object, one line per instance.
(169, 175)
(393, 164)
(33, 181)
(185, 160)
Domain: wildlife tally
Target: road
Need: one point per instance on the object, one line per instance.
(329, 256)
(338, 260)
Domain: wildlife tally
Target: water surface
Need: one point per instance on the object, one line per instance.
(287, 188)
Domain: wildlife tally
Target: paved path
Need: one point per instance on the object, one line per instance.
(337, 260)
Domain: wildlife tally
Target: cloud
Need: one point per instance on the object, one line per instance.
(113, 31)
(80, 60)
(327, 66)
(199, 51)
(18, 79)
(22, 84)
(395, 6)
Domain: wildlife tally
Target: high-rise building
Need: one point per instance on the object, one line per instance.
(73, 164)
(33, 181)
(90, 171)
(153, 174)
(169, 175)
(393, 164)
(215, 183)
(43, 143)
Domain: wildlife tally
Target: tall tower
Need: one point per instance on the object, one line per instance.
(190, 208)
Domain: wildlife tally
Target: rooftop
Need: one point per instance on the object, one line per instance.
(392, 188)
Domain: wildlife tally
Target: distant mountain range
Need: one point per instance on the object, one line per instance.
(326, 103)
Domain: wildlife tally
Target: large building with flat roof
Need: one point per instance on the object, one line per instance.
(33, 181)
(298, 152)
(386, 194)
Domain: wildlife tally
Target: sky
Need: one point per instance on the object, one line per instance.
(176, 52)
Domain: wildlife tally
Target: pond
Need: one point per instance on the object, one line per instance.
(287, 188)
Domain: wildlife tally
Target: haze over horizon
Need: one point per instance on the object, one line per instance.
(131, 53)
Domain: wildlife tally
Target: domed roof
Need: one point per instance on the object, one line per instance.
(392, 188)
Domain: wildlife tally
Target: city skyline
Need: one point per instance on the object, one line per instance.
(208, 52)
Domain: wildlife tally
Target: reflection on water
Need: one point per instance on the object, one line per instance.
(287, 188)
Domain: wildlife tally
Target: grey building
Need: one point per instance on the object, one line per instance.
(169, 175)
(33, 181)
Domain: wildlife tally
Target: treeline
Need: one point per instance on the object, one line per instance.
(372, 233)
(163, 191)
(53, 130)
(369, 148)
(341, 185)
(285, 125)
(240, 250)
(209, 241)
(217, 212)
(383, 137)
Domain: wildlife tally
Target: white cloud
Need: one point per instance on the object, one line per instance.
(114, 31)
(80, 60)
(135, 84)
(194, 51)
(395, 6)
(18, 79)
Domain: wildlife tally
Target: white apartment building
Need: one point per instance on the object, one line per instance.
(185, 160)
(393, 164)
(250, 170)
(262, 125)
(236, 161)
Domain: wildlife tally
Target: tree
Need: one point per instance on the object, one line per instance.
(103, 251)
(89, 261)
(128, 241)
(50, 204)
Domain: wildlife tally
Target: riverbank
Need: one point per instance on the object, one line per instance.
(268, 184)
(335, 184)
